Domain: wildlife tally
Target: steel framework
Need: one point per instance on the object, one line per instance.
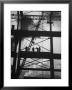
(19, 34)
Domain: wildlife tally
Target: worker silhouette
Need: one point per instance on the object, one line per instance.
(33, 49)
(26, 49)
(38, 49)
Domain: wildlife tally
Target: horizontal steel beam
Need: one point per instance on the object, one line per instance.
(40, 69)
(38, 15)
(25, 33)
(40, 55)
(28, 77)
(46, 55)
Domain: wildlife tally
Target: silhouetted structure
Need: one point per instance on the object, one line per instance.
(24, 21)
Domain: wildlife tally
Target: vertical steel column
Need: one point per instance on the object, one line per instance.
(51, 43)
(16, 42)
(18, 64)
(14, 61)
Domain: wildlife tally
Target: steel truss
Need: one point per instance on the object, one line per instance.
(49, 55)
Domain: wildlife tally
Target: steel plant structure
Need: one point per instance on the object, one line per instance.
(32, 50)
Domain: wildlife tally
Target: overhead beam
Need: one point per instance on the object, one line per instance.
(40, 69)
(25, 33)
(46, 55)
(28, 77)
(39, 55)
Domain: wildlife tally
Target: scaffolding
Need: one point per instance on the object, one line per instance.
(19, 34)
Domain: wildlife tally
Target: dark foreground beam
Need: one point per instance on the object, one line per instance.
(46, 55)
(26, 33)
(28, 77)
(39, 55)
(40, 69)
